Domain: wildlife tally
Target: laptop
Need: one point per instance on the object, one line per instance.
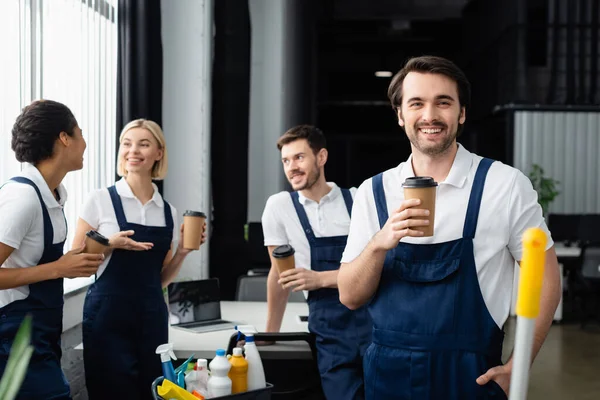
(196, 306)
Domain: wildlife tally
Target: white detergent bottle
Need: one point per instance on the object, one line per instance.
(219, 383)
(198, 378)
(256, 372)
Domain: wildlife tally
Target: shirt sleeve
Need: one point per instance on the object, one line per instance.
(362, 228)
(19, 208)
(524, 212)
(90, 211)
(273, 229)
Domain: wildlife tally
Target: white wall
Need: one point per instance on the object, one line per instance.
(281, 89)
(265, 175)
(187, 35)
(566, 145)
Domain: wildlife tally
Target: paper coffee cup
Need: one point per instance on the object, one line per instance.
(284, 258)
(95, 243)
(424, 189)
(193, 222)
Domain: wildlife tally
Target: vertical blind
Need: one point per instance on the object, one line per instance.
(63, 50)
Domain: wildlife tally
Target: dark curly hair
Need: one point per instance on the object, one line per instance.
(37, 127)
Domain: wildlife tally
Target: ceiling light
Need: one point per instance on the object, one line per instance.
(383, 74)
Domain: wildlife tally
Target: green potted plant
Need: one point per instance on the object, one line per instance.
(544, 186)
(18, 360)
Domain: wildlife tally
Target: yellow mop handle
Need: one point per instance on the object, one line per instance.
(532, 273)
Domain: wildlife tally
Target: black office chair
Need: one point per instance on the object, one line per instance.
(565, 228)
(291, 379)
(254, 288)
(588, 229)
(589, 283)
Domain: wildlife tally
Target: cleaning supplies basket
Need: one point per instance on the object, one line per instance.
(258, 394)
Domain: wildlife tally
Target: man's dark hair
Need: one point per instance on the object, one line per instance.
(432, 65)
(37, 127)
(314, 136)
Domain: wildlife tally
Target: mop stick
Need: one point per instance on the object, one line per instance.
(528, 308)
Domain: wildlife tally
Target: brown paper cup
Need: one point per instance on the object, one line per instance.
(193, 222)
(424, 189)
(284, 258)
(95, 243)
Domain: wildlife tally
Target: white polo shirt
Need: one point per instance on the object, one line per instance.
(281, 224)
(22, 224)
(508, 207)
(98, 212)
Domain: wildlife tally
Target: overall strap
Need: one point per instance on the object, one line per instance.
(380, 202)
(117, 205)
(303, 217)
(48, 229)
(475, 198)
(168, 215)
(348, 200)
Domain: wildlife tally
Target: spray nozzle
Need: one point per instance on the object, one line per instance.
(246, 330)
(166, 352)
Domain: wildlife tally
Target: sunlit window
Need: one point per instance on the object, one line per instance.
(63, 50)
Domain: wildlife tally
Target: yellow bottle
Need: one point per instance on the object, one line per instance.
(238, 372)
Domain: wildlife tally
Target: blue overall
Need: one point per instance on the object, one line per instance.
(125, 316)
(342, 335)
(433, 335)
(44, 379)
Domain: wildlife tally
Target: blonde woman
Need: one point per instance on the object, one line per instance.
(125, 316)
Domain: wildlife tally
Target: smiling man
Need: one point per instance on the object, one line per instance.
(439, 303)
(314, 219)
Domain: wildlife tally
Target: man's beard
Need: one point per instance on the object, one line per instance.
(439, 148)
(312, 178)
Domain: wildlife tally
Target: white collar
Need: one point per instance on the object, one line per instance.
(458, 173)
(124, 190)
(331, 196)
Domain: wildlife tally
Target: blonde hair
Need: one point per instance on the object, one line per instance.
(159, 170)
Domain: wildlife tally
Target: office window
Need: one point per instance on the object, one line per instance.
(63, 50)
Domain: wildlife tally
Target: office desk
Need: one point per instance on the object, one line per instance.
(204, 345)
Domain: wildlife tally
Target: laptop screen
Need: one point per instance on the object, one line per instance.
(194, 301)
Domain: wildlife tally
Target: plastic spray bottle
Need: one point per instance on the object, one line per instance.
(198, 378)
(166, 353)
(256, 372)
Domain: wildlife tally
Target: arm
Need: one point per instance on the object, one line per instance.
(119, 240)
(80, 229)
(550, 297)
(15, 277)
(277, 298)
(524, 212)
(172, 263)
(74, 264)
(305, 279)
(359, 279)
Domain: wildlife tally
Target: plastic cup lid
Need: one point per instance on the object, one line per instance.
(417, 182)
(190, 213)
(97, 237)
(283, 251)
